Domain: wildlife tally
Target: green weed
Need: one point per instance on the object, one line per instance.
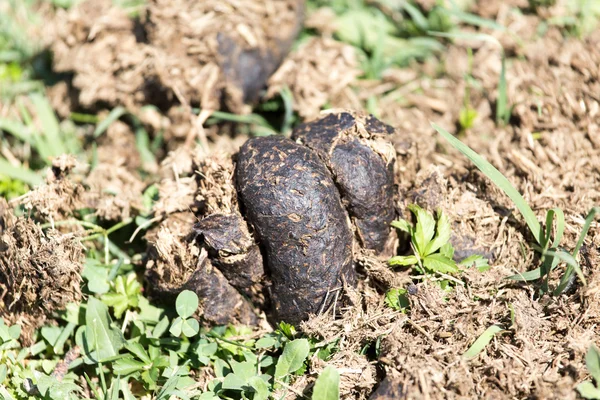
(467, 115)
(432, 250)
(547, 237)
(587, 389)
(482, 341)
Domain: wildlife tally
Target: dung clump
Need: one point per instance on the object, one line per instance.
(176, 264)
(291, 200)
(207, 257)
(39, 272)
(355, 149)
(286, 224)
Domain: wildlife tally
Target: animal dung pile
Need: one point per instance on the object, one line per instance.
(282, 228)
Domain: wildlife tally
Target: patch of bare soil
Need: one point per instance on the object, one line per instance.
(550, 152)
(207, 53)
(329, 66)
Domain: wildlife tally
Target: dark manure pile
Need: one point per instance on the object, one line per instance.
(281, 230)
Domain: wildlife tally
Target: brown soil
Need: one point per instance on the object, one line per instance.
(550, 151)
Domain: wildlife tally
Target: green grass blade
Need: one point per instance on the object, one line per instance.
(475, 20)
(142, 143)
(50, 126)
(114, 115)
(502, 110)
(21, 173)
(571, 261)
(498, 179)
(467, 36)
(482, 341)
(416, 16)
(532, 275)
(16, 129)
(588, 390)
(560, 226)
(592, 362)
(586, 227)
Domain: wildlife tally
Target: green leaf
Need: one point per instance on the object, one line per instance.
(532, 275)
(482, 341)
(439, 263)
(127, 365)
(560, 227)
(101, 337)
(148, 312)
(186, 303)
(51, 135)
(588, 222)
(176, 327)
(125, 295)
(244, 370)
(113, 393)
(260, 387)
(4, 332)
(96, 276)
(65, 334)
(51, 334)
(233, 382)
(473, 19)
(592, 361)
(266, 341)
(221, 368)
(442, 234)
(403, 260)
(204, 350)
(424, 230)
(477, 261)
(16, 129)
(327, 386)
(139, 351)
(161, 327)
(3, 373)
(292, 359)
(466, 117)
(208, 396)
(570, 260)
(190, 327)
(502, 110)
(14, 331)
(447, 250)
(570, 269)
(396, 299)
(499, 180)
(403, 225)
(171, 384)
(587, 390)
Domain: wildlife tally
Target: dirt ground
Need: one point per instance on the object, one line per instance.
(550, 151)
